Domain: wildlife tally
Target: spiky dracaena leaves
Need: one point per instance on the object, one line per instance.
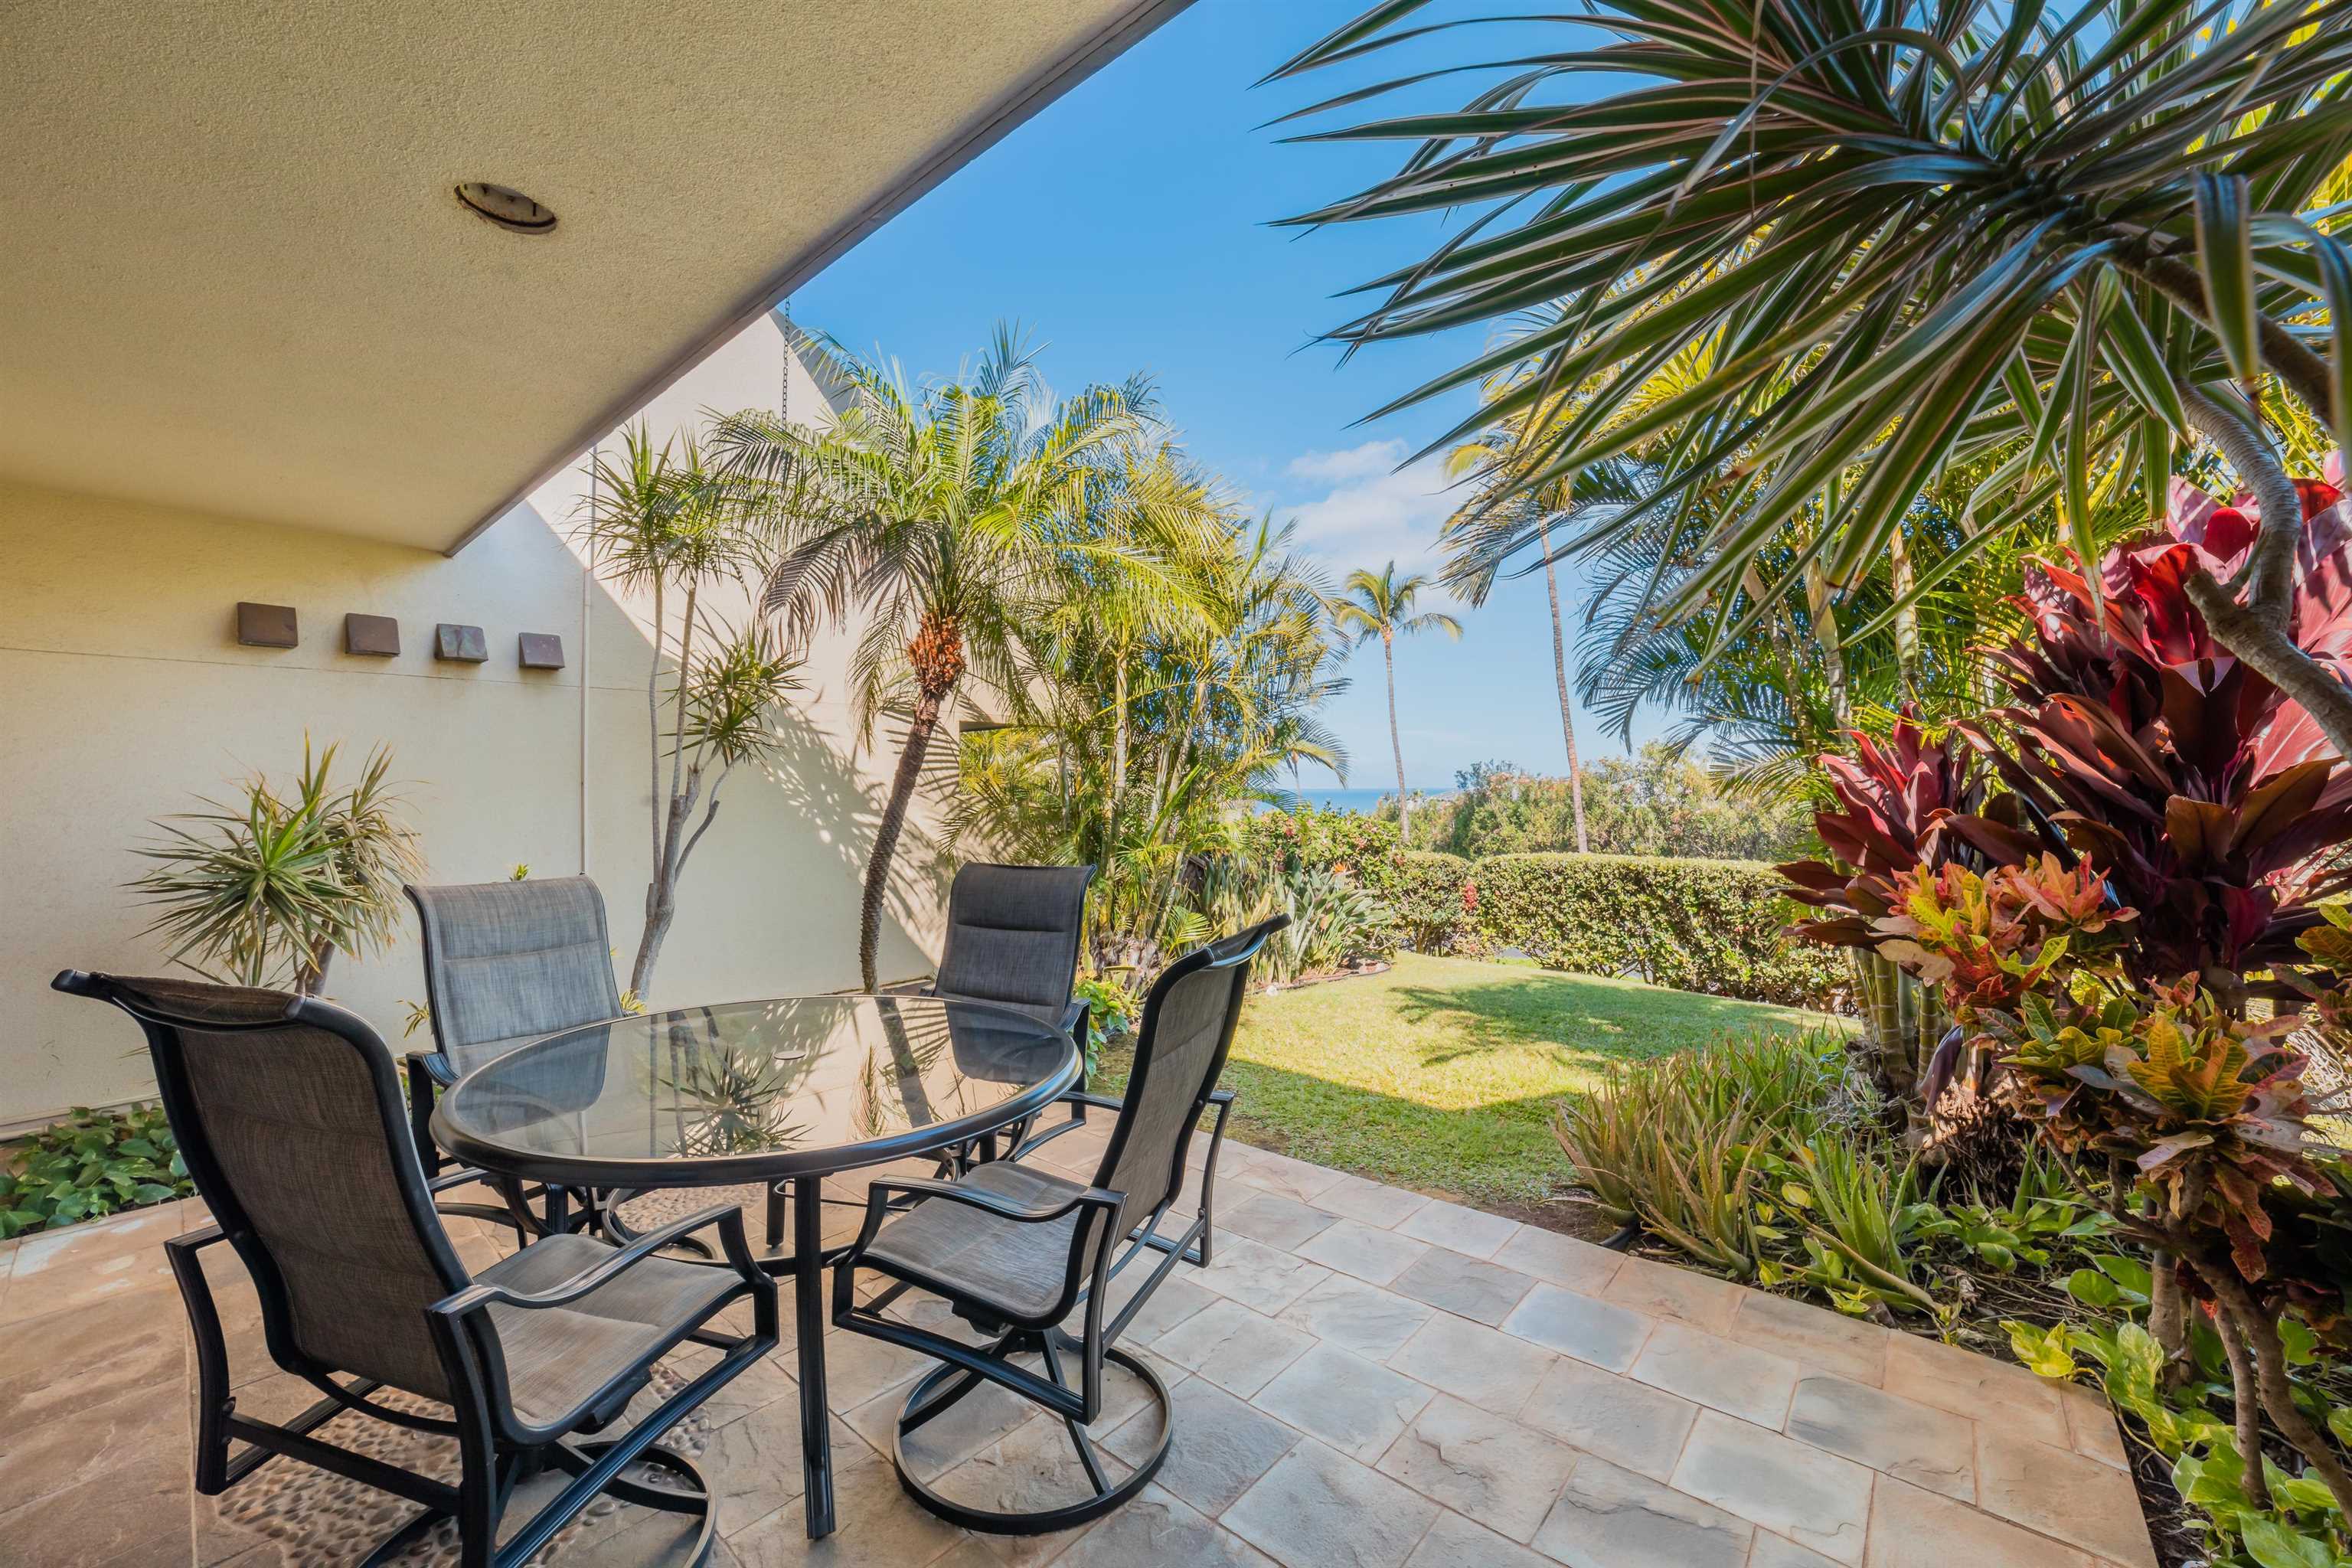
(1902, 237)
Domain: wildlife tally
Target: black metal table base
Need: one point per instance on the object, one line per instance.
(808, 1322)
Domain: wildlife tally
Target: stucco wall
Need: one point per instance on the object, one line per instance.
(126, 696)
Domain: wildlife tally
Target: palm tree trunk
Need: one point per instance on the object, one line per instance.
(886, 832)
(1396, 744)
(1906, 619)
(1825, 635)
(1117, 754)
(1567, 710)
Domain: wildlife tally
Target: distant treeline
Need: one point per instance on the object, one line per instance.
(1654, 802)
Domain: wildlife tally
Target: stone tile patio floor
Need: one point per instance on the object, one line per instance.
(1364, 1377)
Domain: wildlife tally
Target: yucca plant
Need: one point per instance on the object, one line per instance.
(2051, 240)
(662, 522)
(266, 890)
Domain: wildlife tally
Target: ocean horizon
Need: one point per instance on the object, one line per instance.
(1362, 802)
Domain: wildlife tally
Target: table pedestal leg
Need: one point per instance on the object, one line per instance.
(808, 1308)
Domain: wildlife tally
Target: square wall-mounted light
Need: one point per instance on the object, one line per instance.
(459, 644)
(267, 625)
(540, 650)
(377, 636)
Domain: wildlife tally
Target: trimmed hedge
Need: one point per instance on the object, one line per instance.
(1712, 926)
(1435, 900)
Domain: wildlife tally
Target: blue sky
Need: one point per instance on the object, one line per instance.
(1127, 228)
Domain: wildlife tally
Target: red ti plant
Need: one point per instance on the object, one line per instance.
(1894, 807)
(1909, 806)
(2208, 800)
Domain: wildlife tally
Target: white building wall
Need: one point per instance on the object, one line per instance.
(125, 696)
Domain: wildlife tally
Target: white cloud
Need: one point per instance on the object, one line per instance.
(1372, 512)
(1370, 460)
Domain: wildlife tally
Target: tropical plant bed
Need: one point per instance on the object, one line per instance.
(1772, 1161)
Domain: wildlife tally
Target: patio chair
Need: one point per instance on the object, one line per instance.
(1015, 1250)
(288, 1113)
(1013, 939)
(507, 963)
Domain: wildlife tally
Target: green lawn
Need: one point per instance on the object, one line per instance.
(1441, 1074)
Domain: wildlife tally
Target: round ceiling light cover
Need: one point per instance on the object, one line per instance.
(505, 207)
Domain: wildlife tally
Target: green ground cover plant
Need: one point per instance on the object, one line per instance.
(92, 1165)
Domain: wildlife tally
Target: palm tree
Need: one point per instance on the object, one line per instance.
(1483, 534)
(1132, 574)
(1222, 702)
(2048, 240)
(932, 514)
(1381, 607)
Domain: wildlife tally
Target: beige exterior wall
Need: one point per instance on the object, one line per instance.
(126, 696)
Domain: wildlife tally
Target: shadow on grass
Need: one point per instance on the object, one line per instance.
(1447, 1085)
(1547, 1013)
(1499, 1154)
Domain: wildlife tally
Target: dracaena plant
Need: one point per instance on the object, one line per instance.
(1893, 811)
(2194, 1128)
(1894, 808)
(2055, 241)
(2207, 799)
(267, 889)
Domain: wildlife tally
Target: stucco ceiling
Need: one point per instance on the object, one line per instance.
(234, 274)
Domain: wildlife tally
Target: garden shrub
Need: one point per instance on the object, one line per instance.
(1436, 903)
(1359, 850)
(1712, 926)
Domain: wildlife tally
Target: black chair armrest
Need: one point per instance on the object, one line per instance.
(190, 1241)
(993, 1202)
(878, 1196)
(726, 1217)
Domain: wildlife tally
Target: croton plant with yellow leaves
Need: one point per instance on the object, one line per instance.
(2190, 1123)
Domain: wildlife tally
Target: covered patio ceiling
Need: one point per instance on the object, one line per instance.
(240, 280)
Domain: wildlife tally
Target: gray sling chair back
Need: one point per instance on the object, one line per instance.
(505, 964)
(288, 1113)
(1015, 1249)
(1013, 938)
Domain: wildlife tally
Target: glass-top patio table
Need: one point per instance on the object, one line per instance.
(783, 1094)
